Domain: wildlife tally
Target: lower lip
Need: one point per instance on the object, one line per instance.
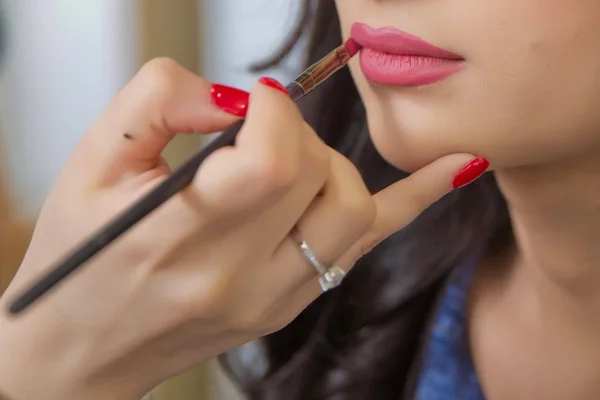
(406, 70)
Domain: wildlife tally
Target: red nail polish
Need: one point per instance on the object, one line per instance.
(231, 100)
(470, 172)
(270, 82)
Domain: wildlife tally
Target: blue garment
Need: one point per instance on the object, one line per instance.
(447, 371)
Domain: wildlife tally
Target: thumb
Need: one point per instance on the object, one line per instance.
(163, 99)
(400, 203)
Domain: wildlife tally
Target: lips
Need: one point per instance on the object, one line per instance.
(392, 57)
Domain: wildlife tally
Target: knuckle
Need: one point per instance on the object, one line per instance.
(283, 110)
(254, 319)
(210, 303)
(159, 76)
(205, 300)
(273, 173)
(161, 66)
(318, 153)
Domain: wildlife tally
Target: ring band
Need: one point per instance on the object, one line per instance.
(312, 258)
(330, 277)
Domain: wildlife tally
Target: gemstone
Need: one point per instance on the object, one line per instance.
(332, 278)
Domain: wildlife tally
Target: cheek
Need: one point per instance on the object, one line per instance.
(532, 92)
(347, 13)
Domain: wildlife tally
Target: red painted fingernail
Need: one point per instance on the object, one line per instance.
(231, 100)
(470, 172)
(270, 82)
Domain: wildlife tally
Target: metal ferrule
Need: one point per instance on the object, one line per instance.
(323, 69)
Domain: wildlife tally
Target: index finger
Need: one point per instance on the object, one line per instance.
(400, 203)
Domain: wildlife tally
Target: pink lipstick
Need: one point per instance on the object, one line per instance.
(392, 57)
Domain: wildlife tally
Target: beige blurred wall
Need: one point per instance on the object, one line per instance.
(167, 29)
(170, 29)
(14, 232)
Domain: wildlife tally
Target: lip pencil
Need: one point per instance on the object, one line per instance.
(178, 180)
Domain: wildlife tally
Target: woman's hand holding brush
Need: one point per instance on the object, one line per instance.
(217, 265)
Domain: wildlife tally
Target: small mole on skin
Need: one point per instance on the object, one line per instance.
(128, 136)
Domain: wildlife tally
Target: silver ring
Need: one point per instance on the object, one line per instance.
(330, 277)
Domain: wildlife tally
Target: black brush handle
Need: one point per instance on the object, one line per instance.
(177, 181)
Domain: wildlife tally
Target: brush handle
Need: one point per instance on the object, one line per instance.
(177, 181)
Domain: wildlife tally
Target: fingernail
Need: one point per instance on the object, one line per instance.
(231, 100)
(270, 82)
(470, 172)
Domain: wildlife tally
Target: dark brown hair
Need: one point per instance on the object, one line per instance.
(363, 340)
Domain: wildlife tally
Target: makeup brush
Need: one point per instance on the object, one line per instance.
(178, 180)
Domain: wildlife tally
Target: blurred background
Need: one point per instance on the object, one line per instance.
(62, 62)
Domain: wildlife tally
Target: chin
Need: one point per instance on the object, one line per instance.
(406, 149)
(398, 154)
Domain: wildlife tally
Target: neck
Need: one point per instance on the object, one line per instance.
(555, 211)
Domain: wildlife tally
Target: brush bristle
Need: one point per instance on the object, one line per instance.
(352, 46)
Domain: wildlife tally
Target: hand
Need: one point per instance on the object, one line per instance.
(213, 268)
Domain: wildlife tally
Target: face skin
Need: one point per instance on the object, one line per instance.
(529, 94)
(529, 101)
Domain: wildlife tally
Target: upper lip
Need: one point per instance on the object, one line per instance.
(394, 41)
